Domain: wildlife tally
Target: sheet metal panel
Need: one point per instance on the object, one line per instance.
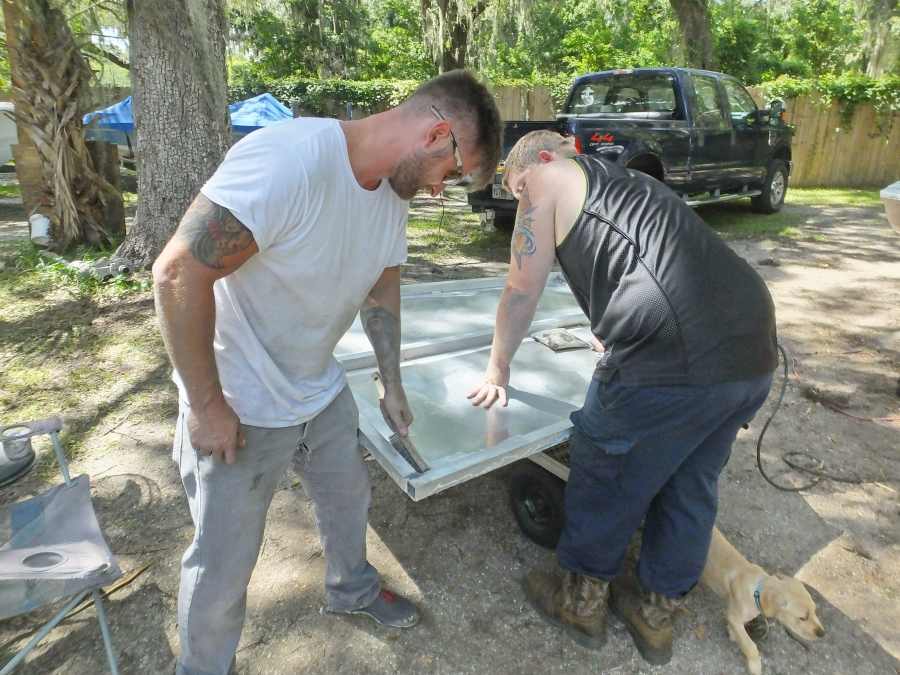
(460, 441)
(447, 331)
(447, 315)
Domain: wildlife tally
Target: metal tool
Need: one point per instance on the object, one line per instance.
(402, 444)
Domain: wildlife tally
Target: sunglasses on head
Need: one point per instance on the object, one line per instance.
(456, 177)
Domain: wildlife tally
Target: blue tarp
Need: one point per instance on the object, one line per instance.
(118, 117)
(260, 111)
(111, 125)
(256, 112)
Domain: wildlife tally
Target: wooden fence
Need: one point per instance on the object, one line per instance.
(831, 149)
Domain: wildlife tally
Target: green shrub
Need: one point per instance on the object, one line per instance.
(324, 97)
(850, 90)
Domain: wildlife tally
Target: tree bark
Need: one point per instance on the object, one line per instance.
(181, 113)
(882, 49)
(696, 36)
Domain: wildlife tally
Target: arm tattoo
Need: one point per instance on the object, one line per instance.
(523, 242)
(213, 233)
(383, 329)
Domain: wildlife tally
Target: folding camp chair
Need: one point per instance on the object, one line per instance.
(52, 547)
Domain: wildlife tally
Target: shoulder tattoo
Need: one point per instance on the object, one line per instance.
(213, 233)
(523, 242)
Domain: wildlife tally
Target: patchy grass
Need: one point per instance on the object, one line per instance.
(833, 197)
(801, 209)
(737, 220)
(10, 191)
(453, 237)
(72, 346)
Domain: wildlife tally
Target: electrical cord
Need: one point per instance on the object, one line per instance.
(803, 462)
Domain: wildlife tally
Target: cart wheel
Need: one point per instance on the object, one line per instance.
(536, 497)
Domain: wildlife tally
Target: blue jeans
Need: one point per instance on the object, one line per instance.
(651, 454)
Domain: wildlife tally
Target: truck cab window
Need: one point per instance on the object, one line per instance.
(709, 112)
(740, 102)
(647, 95)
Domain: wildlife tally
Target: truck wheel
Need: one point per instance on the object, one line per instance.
(536, 497)
(774, 189)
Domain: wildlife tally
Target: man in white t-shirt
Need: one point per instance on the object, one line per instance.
(302, 226)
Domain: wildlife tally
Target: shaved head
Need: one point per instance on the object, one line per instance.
(527, 150)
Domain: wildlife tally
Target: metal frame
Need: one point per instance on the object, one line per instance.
(453, 470)
(52, 426)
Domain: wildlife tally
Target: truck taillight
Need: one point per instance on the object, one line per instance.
(578, 147)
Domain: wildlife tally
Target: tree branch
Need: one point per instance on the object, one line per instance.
(108, 55)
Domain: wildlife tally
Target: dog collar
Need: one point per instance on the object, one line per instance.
(757, 592)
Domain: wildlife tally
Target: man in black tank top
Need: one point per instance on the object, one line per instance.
(690, 347)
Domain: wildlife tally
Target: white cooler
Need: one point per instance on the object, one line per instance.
(891, 198)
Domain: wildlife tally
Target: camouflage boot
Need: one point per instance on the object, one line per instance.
(574, 602)
(648, 617)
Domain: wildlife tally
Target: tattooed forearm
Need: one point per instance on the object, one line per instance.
(213, 233)
(383, 329)
(514, 314)
(523, 242)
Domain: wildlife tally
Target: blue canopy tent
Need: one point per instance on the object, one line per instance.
(112, 125)
(115, 124)
(256, 112)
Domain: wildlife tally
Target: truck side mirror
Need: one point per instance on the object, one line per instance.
(776, 110)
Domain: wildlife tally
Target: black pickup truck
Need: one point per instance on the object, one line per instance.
(697, 131)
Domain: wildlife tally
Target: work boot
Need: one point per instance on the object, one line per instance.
(647, 616)
(574, 602)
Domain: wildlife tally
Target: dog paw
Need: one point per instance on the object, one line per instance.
(755, 666)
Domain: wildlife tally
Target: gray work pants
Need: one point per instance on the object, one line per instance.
(228, 504)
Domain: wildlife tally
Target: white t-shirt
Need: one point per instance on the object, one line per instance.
(323, 242)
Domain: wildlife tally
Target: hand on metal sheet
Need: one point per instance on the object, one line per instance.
(215, 430)
(492, 390)
(395, 409)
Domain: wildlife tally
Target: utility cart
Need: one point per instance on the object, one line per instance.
(447, 333)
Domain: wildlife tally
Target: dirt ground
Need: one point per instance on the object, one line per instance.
(460, 555)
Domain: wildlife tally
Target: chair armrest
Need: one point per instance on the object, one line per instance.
(35, 427)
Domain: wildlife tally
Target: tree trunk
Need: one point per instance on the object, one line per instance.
(49, 78)
(181, 113)
(454, 37)
(696, 36)
(882, 48)
(452, 31)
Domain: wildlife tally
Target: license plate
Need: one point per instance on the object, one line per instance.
(498, 192)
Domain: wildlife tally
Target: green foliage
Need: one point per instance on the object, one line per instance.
(331, 39)
(25, 258)
(639, 33)
(10, 190)
(823, 34)
(573, 37)
(397, 52)
(319, 97)
(319, 38)
(850, 89)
